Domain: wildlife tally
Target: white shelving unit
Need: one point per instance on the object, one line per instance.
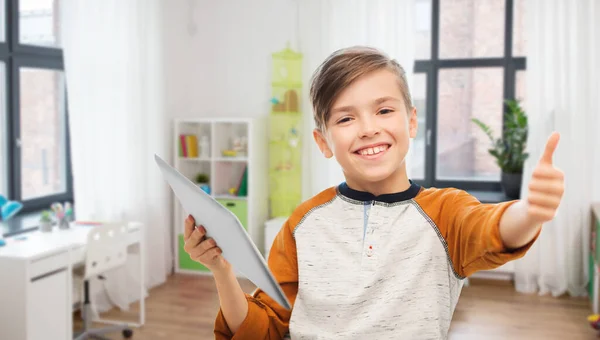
(225, 171)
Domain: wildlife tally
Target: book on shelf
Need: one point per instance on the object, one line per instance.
(188, 146)
(242, 188)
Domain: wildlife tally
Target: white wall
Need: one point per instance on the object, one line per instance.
(218, 55)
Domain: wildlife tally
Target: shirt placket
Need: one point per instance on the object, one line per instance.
(370, 251)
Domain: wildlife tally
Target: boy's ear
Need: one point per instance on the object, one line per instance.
(413, 123)
(322, 143)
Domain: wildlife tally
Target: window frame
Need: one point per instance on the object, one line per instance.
(16, 56)
(431, 68)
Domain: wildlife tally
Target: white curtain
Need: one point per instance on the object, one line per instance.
(327, 25)
(563, 94)
(113, 67)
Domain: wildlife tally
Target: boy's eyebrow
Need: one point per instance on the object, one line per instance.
(351, 108)
(348, 108)
(381, 100)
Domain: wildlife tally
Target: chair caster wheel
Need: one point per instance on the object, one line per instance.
(127, 333)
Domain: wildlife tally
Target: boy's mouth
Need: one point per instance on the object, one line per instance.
(373, 150)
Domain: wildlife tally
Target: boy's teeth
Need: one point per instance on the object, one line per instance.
(372, 151)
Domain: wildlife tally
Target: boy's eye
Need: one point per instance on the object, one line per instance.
(384, 111)
(344, 120)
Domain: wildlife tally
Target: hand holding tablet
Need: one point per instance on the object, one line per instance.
(201, 248)
(225, 236)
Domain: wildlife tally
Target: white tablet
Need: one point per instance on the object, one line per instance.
(222, 225)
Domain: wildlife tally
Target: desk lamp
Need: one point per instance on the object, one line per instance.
(8, 209)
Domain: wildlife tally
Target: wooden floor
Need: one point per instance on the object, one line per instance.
(185, 308)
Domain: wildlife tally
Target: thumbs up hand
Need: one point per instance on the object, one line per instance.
(546, 187)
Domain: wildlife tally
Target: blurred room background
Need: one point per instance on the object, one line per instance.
(91, 90)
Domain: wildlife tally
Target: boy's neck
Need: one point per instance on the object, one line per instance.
(397, 182)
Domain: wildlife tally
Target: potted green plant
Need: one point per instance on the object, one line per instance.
(45, 221)
(509, 149)
(202, 180)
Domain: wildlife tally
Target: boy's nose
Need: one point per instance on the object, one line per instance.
(369, 128)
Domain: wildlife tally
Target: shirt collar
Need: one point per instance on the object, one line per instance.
(364, 196)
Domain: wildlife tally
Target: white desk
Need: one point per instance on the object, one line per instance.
(36, 282)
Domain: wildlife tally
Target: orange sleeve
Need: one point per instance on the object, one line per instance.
(470, 229)
(266, 319)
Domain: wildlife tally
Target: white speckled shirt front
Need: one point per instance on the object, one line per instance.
(372, 270)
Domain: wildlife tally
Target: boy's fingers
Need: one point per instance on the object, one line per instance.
(550, 147)
(207, 255)
(189, 227)
(195, 238)
(213, 252)
(207, 244)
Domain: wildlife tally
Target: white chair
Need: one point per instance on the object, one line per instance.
(106, 249)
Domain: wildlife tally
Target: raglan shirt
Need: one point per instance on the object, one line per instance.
(357, 266)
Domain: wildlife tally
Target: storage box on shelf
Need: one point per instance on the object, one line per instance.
(227, 159)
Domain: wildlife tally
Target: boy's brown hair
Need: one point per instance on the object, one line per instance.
(343, 67)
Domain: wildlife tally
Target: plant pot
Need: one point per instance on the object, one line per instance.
(45, 226)
(63, 223)
(511, 184)
(204, 186)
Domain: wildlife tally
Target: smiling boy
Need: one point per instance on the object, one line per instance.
(377, 256)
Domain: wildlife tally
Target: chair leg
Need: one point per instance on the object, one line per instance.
(86, 311)
(86, 314)
(98, 337)
(80, 336)
(111, 329)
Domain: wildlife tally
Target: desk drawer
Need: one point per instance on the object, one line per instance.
(48, 264)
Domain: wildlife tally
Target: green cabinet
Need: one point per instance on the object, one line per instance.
(239, 207)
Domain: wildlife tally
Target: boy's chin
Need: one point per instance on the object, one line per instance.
(374, 176)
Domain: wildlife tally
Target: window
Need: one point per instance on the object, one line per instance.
(36, 141)
(469, 59)
(39, 23)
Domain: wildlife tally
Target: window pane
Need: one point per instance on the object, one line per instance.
(423, 29)
(43, 161)
(462, 148)
(39, 22)
(416, 157)
(519, 38)
(471, 28)
(2, 22)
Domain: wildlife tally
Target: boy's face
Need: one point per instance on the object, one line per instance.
(369, 129)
